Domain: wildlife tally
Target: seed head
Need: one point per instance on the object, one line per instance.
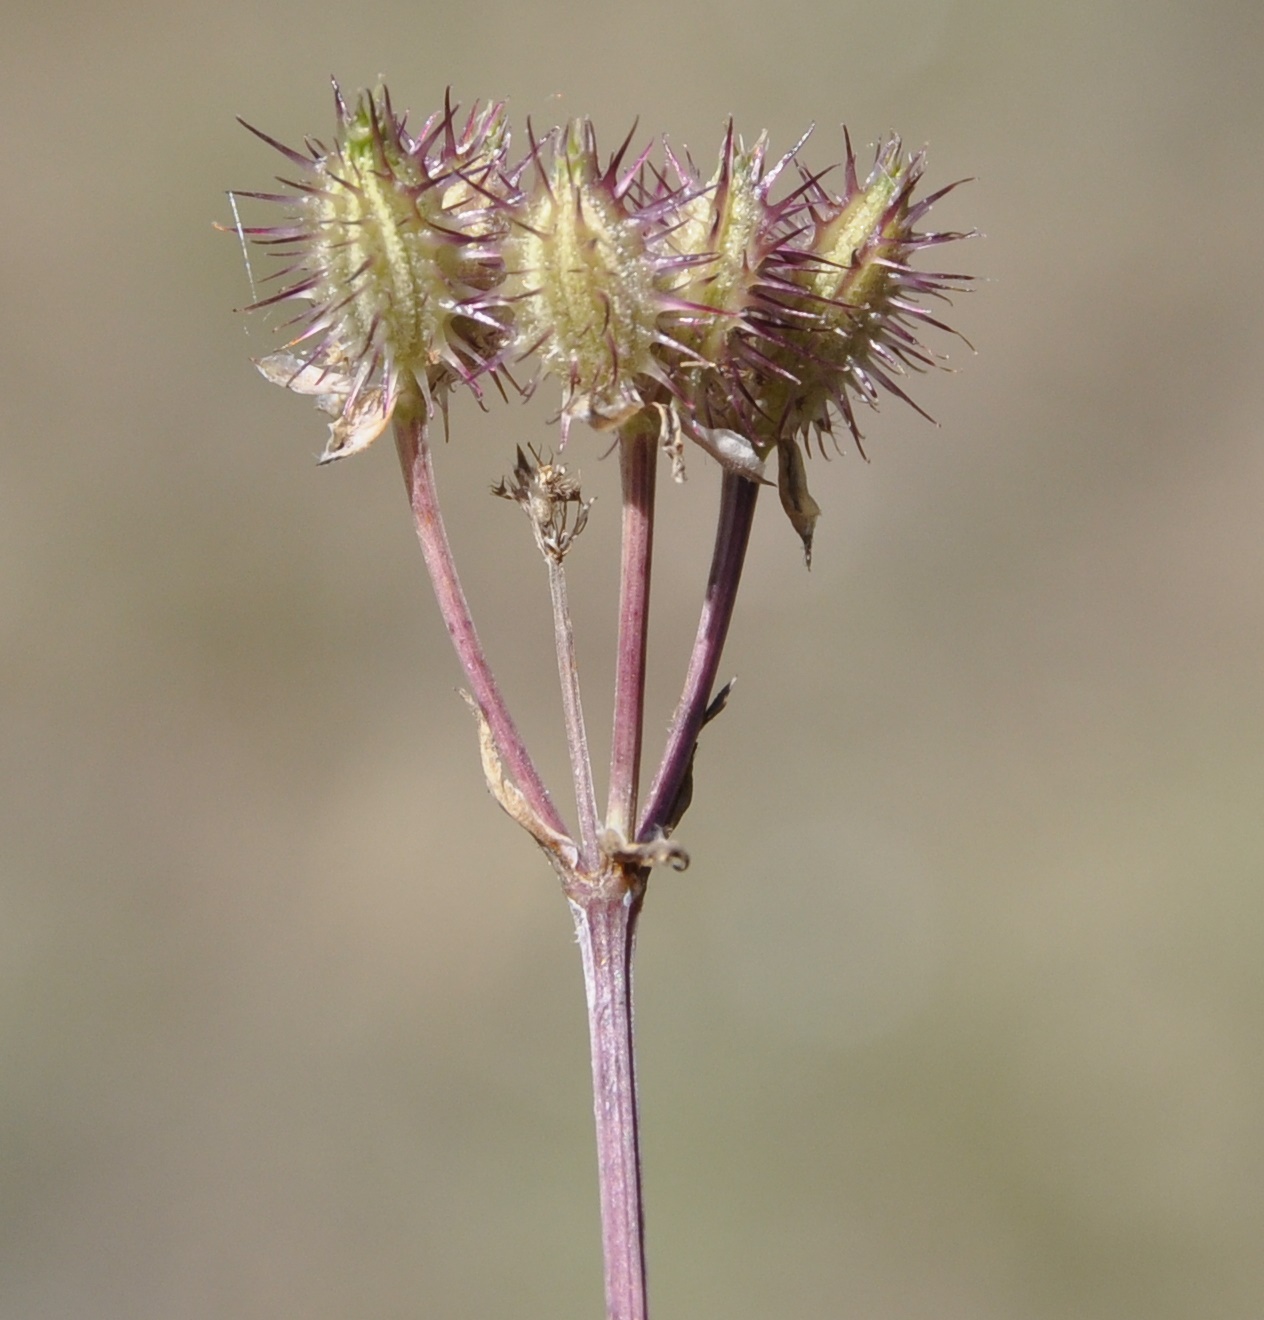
(580, 263)
(729, 295)
(727, 309)
(859, 293)
(390, 248)
(794, 308)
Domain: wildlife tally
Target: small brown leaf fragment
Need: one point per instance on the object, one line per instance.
(796, 499)
(509, 795)
(684, 794)
(671, 438)
(659, 851)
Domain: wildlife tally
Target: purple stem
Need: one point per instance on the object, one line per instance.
(737, 512)
(638, 454)
(606, 927)
(414, 456)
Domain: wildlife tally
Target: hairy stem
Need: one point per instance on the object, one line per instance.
(572, 707)
(414, 455)
(638, 454)
(606, 927)
(737, 512)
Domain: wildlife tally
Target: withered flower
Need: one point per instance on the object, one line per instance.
(552, 500)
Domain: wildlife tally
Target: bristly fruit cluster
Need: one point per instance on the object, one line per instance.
(701, 308)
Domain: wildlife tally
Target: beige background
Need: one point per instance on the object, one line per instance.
(958, 1012)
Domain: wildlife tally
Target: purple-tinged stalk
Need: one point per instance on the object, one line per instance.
(413, 443)
(638, 458)
(666, 804)
(668, 307)
(606, 931)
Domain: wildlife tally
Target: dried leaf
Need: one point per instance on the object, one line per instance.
(509, 795)
(796, 499)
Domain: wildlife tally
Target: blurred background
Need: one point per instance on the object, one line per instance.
(958, 1011)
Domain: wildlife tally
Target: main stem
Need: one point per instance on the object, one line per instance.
(606, 927)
